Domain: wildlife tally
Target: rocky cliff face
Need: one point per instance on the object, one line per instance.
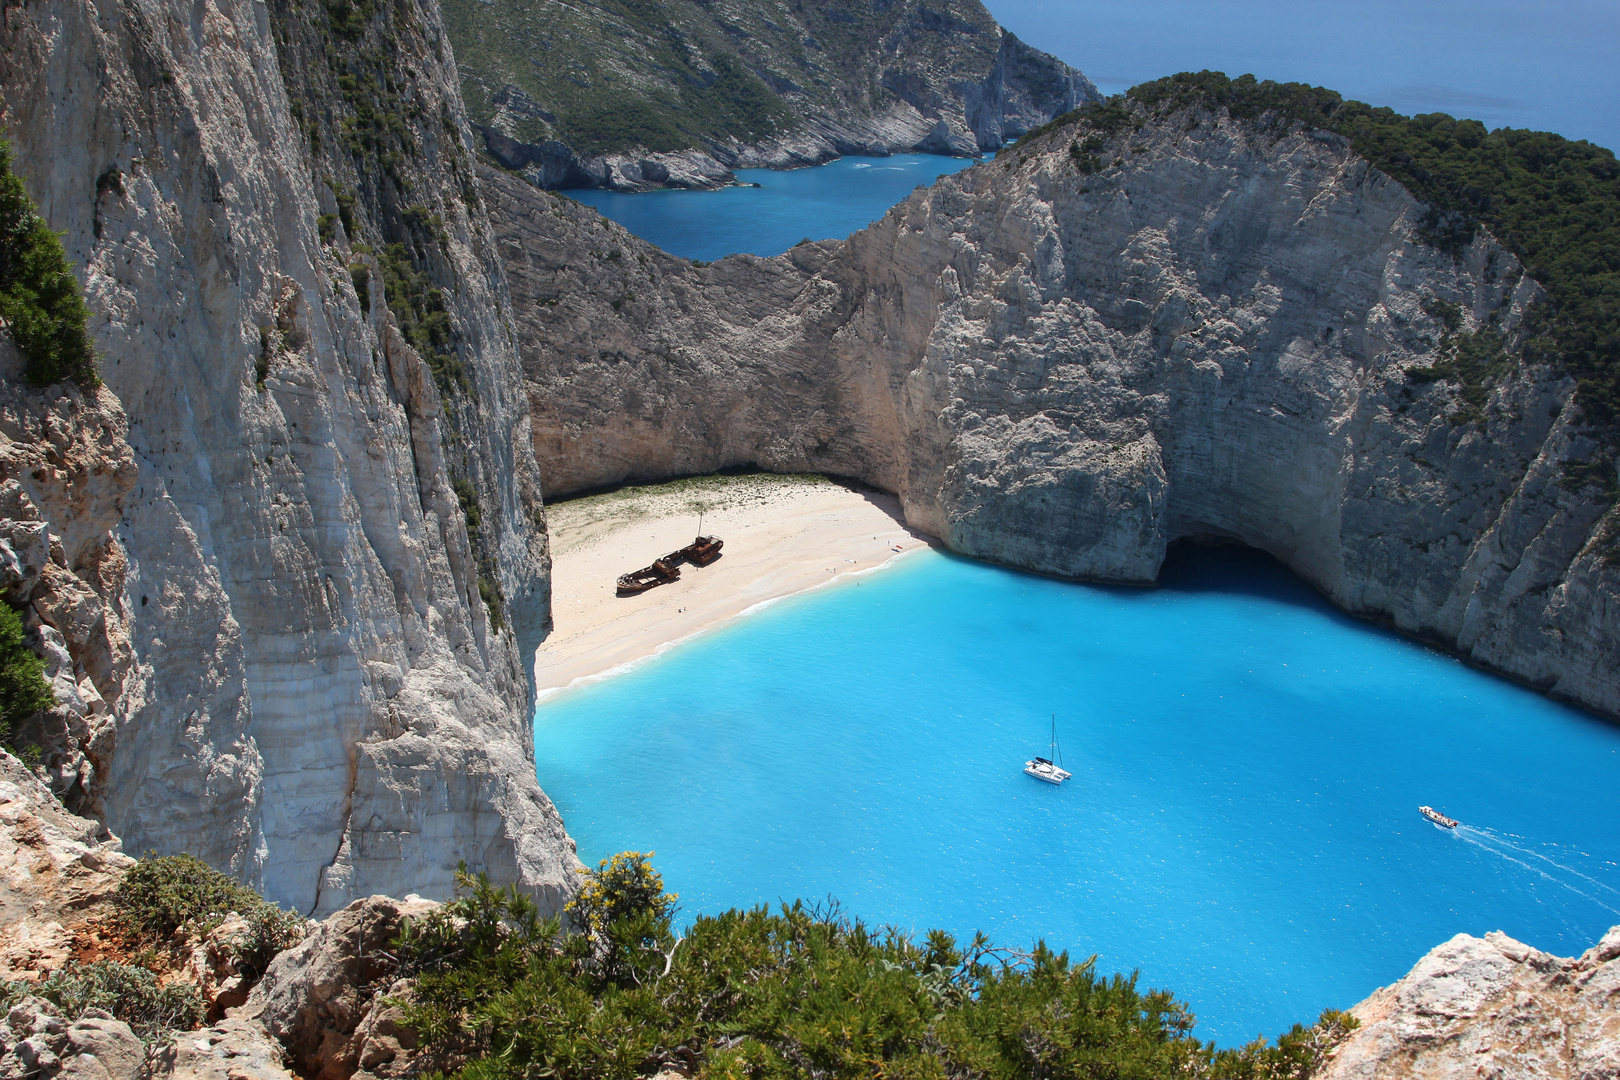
(678, 95)
(1070, 358)
(1491, 1008)
(299, 567)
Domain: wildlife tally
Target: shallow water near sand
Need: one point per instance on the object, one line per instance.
(1247, 762)
(822, 203)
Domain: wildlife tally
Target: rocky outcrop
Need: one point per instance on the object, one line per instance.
(301, 568)
(679, 95)
(66, 472)
(325, 999)
(53, 867)
(230, 1050)
(37, 1041)
(1492, 1008)
(1066, 361)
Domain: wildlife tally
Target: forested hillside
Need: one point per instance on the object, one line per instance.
(784, 83)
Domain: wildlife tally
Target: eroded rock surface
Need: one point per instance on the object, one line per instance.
(36, 1041)
(66, 471)
(294, 578)
(1494, 1008)
(1210, 337)
(53, 867)
(317, 995)
(233, 1049)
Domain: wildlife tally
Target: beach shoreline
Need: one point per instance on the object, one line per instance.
(783, 535)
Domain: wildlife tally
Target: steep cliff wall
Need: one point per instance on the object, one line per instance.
(1069, 358)
(326, 550)
(669, 93)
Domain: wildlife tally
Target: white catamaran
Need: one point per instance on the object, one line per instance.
(1043, 768)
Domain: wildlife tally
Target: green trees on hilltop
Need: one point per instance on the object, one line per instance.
(1554, 202)
(802, 992)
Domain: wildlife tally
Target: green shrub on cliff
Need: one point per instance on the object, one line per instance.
(804, 992)
(164, 894)
(23, 689)
(131, 994)
(39, 294)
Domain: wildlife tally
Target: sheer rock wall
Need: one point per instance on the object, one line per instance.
(316, 695)
(1066, 371)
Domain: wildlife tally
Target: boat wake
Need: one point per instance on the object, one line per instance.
(1486, 839)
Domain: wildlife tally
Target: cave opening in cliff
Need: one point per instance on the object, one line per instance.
(1219, 564)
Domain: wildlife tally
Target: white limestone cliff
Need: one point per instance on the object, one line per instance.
(313, 692)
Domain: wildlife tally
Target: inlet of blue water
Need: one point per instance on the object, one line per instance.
(1242, 823)
(824, 203)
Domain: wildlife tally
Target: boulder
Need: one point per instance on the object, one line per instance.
(38, 1043)
(234, 1049)
(100, 1048)
(315, 996)
(1491, 1008)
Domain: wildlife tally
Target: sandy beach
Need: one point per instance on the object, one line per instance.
(783, 535)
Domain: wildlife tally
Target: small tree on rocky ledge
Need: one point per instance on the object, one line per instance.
(40, 300)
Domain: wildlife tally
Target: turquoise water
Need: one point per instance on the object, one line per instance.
(1247, 765)
(1552, 65)
(824, 203)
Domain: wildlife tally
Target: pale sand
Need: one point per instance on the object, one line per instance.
(782, 534)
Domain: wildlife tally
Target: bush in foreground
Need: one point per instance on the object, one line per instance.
(164, 894)
(129, 993)
(802, 992)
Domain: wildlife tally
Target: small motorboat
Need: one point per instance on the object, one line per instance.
(1044, 768)
(1437, 817)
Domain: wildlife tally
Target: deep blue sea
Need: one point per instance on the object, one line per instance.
(1242, 824)
(824, 203)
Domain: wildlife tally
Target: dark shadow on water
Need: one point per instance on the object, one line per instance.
(1233, 568)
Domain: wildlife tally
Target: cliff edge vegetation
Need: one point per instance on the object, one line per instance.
(806, 991)
(40, 301)
(23, 689)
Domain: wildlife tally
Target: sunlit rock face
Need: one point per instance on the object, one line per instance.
(325, 563)
(1490, 1007)
(1209, 336)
